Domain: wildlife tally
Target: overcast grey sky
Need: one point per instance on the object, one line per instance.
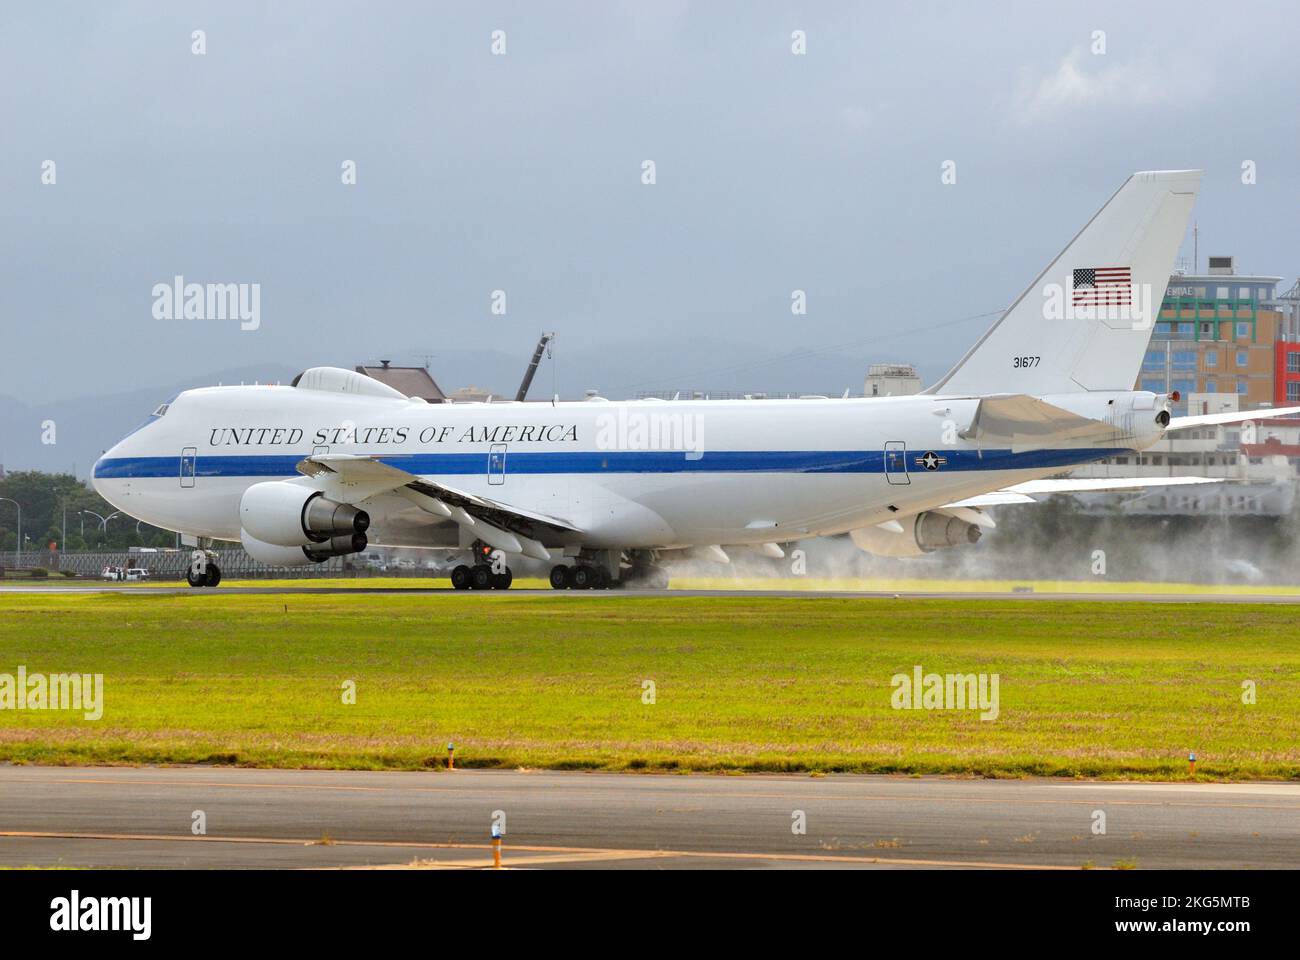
(522, 172)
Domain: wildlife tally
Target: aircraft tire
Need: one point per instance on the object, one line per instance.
(560, 577)
(460, 578)
(480, 578)
(502, 581)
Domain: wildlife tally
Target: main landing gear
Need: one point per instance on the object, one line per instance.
(481, 576)
(488, 572)
(580, 576)
(203, 570)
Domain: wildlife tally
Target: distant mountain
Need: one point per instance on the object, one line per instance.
(86, 426)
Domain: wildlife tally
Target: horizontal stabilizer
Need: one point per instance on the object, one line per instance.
(1232, 416)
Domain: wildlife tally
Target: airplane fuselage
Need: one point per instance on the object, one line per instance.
(628, 474)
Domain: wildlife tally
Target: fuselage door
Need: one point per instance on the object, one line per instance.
(896, 462)
(497, 464)
(189, 465)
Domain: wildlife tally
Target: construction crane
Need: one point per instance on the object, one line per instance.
(532, 367)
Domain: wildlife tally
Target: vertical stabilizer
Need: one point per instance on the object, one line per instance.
(1085, 322)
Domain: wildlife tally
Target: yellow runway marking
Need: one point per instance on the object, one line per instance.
(678, 795)
(556, 854)
(204, 783)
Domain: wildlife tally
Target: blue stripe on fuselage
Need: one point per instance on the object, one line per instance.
(623, 461)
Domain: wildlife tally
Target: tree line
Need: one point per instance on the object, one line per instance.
(47, 498)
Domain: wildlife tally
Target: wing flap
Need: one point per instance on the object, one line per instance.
(991, 500)
(350, 478)
(1025, 492)
(1102, 484)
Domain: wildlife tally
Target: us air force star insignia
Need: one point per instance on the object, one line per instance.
(931, 460)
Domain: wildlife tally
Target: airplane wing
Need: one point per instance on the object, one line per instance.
(1022, 492)
(351, 478)
(1235, 416)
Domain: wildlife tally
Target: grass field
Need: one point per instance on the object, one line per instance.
(741, 683)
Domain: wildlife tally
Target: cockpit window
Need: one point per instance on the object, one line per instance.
(162, 409)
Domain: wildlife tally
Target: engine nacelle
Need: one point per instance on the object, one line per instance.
(271, 553)
(280, 556)
(288, 514)
(339, 546)
(926, 533)
(935, 531)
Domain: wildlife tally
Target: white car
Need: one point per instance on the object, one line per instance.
(137, 573)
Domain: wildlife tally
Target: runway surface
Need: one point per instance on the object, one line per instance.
(144, 817)
(308, 588)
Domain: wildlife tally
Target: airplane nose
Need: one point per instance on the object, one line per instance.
(104, 474)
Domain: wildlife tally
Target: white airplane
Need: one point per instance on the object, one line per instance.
(607, 490)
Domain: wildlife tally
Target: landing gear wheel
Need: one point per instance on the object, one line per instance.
(480, 578)
(200, 580)
(560, 577)
(460, 578)
(583, 578)
(213, 576)
(502, 581)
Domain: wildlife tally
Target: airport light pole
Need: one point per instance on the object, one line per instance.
(18, 551)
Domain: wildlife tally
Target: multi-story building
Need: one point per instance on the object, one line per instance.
(892, 380)
(1217, 333)
(1258, 461)
(1286, 389)
(1224, 341)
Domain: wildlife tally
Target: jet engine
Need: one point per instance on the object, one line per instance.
(286, 514)
(281, 556)
(924, 533)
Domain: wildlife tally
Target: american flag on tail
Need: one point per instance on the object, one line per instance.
(1103, 286)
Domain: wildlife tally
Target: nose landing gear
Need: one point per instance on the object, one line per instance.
(203, 570)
